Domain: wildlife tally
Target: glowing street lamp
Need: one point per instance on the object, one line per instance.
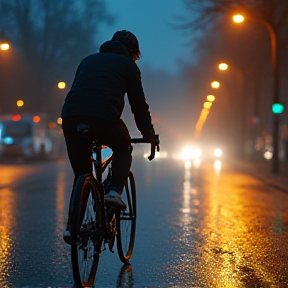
(61, 85)
(207, 105)
(240, 78)
(238, 18)
(215, 84)
(210, 98)
(276, 79)
(223, 66)
(4, 46)
(4, 43)
(20, 103)
(59, 121)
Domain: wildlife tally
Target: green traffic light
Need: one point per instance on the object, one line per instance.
(277, 108)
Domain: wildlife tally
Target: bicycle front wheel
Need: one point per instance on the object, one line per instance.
(126, 221)
(85, 218)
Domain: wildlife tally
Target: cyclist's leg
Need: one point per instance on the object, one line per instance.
(117, 137)
(78, 148)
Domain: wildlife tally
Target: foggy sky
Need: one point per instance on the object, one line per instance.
(151, 21)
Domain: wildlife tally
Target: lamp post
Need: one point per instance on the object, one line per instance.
(275, 125)
(242, 118)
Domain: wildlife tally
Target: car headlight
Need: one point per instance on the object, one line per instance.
(217, 152)
(190, 153)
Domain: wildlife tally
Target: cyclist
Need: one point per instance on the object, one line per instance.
(96, 98)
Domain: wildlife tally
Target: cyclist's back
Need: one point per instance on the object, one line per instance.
(101, 81)
(96, 99)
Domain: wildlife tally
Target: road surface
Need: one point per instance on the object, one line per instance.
(211, 226)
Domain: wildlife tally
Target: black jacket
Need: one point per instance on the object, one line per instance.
(100, 84)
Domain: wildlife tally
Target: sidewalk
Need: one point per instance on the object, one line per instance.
(263, 171)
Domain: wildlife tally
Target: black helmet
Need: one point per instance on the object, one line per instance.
(130, 41)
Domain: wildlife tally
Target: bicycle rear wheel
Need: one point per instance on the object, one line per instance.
(126, 221)
(85, 219)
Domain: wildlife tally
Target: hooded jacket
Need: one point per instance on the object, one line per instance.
(100, 84)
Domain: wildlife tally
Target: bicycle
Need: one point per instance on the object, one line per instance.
(93, 224)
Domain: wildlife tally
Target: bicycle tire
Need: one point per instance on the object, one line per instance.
(85, 219)
(126, 221)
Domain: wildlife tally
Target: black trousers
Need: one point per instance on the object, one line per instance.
(111, 133)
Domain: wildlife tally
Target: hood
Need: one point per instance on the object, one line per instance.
(114, 47)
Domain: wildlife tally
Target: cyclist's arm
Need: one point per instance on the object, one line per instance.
(137, 101)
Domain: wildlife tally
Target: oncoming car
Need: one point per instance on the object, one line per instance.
(196, 155)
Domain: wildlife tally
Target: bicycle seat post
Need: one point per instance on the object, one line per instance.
(97, 148)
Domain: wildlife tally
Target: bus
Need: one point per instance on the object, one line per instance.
(25, 135)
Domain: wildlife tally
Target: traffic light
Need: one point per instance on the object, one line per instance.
(277, 108)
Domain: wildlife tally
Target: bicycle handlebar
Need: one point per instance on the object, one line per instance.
(155, 144)
(84, 129)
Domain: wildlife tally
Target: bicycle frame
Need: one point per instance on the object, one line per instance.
(98, 163)
(95, 223)
(99, 167)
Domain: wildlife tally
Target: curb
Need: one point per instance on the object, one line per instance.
(270, 182)
(264, 178)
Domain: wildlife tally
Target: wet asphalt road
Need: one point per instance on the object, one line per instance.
(205, 227)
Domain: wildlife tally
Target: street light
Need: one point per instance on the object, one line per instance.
(240, 78)
(238, 18)
(275, 132)
(215, 84)
(20, 103)
(210, 98)
(61, 85)
(207, 105)
(203, 116)
(4, 46)
(223, 66)
(59, 121)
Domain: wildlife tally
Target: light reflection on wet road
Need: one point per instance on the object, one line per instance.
(206, 227)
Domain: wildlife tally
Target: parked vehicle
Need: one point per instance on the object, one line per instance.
(24, 135)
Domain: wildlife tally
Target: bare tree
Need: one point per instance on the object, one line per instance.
(207, 14)
(51, 37)
(206, 11)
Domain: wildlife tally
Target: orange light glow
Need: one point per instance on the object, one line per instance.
(59, 120)
(223, 66)
(52, 125)
(4, 46)
(16, 117)
(215, 84)
(36, 119)
(238, 18)
(61, 85)
(207, 105)
(20, 103)
(210, 98)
